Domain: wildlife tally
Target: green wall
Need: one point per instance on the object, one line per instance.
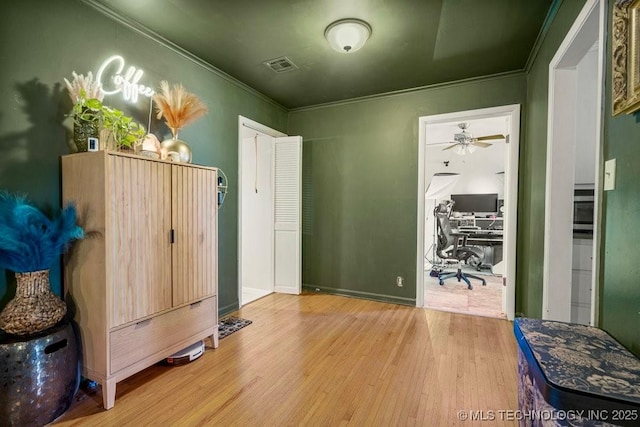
(620, 269)
(43, 42)
(533, 157)
(360, 184)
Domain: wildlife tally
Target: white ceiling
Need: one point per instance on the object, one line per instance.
(486, 160)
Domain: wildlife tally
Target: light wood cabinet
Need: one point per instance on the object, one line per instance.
(142, 284)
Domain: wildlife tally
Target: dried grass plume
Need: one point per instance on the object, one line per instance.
(82, 87)
(177, 106)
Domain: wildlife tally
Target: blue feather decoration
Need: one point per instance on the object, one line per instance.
(29, 240)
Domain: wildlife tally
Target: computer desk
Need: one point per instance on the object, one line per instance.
(480, 235)
(489, 239)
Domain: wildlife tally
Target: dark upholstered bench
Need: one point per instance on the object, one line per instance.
(576, 375)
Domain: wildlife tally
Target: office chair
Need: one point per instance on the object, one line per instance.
(448, 247)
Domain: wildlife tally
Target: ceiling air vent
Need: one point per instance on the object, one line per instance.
(281, 65)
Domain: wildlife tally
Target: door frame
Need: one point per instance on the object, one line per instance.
(510, 191)
(561, 136)
(243, 124)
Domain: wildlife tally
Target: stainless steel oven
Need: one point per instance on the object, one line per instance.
(583, 200)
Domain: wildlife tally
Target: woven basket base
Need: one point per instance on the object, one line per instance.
(34, 308)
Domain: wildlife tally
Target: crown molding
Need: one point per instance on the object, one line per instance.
(395, 93)
(152, 35)
(542, 34)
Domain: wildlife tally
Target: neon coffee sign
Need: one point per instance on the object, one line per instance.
(112, 79)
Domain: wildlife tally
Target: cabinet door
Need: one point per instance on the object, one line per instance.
(195, 265)
(138, 232)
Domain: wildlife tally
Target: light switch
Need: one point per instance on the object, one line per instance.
(609, 174)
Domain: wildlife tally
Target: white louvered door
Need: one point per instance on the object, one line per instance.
(288, 214)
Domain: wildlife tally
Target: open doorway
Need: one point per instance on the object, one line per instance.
(467, 211)
(570, 291)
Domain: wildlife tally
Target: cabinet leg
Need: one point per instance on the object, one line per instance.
(214, 338)
(109, 393)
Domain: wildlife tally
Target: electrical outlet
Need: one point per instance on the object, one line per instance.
(399, 281)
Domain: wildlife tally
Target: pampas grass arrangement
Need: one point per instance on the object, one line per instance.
(82, 88)
(29, 244)
(177, 106)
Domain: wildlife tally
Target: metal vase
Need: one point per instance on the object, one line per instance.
(39, 376)
(177, 150)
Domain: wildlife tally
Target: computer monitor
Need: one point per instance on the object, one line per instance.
(475, 203)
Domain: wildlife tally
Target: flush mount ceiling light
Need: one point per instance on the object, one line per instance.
(347, 35)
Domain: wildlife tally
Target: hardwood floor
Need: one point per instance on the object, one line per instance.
(326, 360)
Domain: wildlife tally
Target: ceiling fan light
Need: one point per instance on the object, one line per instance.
(460, 150)
(347, 35)
(471, 148)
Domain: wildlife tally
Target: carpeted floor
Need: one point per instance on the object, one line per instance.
(230, 325)
(454, 296)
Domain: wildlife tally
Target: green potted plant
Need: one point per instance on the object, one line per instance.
(120, 131)
(86, 95)
(91, 118)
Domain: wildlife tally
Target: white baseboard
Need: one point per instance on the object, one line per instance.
(287, 290)
(252, 294)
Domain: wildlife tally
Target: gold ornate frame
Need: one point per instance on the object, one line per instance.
(625, 61)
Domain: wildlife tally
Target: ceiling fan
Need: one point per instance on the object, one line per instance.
(464, 142)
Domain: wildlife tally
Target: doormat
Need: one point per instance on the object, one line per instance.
(230, 325)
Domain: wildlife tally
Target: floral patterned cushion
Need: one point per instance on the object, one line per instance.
(582, 358)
